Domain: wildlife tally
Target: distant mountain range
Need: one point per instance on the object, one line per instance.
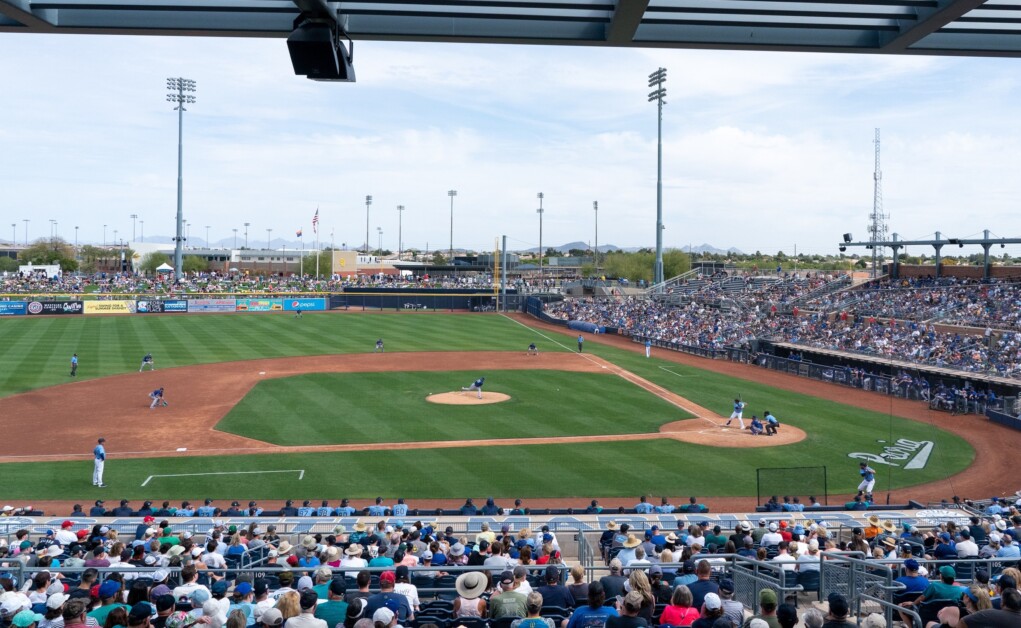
(278, 243)
(606, 248)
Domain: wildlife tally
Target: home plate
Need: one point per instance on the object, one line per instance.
(262, 372)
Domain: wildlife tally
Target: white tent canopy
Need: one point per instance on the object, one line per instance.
(164, 268)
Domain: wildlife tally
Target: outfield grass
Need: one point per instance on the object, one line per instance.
(334, 408)
(35, 353)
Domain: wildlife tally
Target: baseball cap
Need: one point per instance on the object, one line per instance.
(388, 576)
(243, 588)
(712, 602)
(947, 571)
(56, 600)
(767, 596)
(507, 577)
(726, 584)
(772, 526)
(67, 523)
(911, 564)
(198, 597)
(26, 618)
(140, 610)
(383, 615)
(219, 587)
(109, 588)
(427, 555)
(338, 587)
(270, 617)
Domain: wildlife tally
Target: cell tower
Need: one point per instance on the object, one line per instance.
(877, 219)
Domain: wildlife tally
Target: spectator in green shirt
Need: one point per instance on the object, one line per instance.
(945, 589)
(334, 610)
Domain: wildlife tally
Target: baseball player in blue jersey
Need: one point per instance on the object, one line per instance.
(476, 385)
(868, 480)
(147, 361)
(532, 349)
(99, 456)
(379, 346)
(648, 347)
(736, 414)
(157, 398)
(74, 365)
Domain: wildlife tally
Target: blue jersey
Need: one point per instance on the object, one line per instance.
(868, 473)
(771, 420)
(99, 452)
(738, 406)
(156, 393)
(478, 382)
(147, 358)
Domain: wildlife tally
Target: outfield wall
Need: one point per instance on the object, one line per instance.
(366, 299)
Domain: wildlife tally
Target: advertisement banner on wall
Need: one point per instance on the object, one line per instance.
(149, 307)
(259, 305)
(13, 308)
(54, 307)
(305, 305)
(158, 306)
(175, 305)
(109, 307)
(212, 305)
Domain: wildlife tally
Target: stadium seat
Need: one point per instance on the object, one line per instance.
(809, 581)
(422, 620)
(928, 610)
(503, 622)
(475, 622)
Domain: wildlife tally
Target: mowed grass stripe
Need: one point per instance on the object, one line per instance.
(662, 467)
(41, 347)
(339, 408)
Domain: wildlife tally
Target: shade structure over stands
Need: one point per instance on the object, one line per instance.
(164, 268)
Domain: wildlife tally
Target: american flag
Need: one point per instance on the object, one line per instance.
(298, 233)
(315, 222)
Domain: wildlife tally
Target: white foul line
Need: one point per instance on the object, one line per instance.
(675, 372)
(300, 472)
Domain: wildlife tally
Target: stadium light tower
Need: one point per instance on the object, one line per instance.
(595, 208)
(656, 80)
(14, 231)
(26, 221)
(141, 231)
(235, 238)
(207, 237)
(451, 194)
(368, 203)
(178, 88)
(400, 231)
(540, 211)
(247, 224)
(134, 218)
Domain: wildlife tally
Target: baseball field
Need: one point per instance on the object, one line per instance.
(269, 406)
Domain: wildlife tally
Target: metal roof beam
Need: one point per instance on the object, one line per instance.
(20, 11)
(625, 21)
(929, 20)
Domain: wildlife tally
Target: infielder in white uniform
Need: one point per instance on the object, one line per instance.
(738, 411)
(99, 454)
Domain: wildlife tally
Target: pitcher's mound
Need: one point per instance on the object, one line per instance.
(714, 434)
(467, 398)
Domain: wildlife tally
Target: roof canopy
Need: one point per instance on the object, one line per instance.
(946, 27)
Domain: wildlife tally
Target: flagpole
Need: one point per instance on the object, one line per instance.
(315, 230)
(301, 258)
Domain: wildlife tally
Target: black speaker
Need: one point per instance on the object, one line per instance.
(847, 237)
(316, 53)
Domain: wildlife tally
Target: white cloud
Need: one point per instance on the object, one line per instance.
(761, 151)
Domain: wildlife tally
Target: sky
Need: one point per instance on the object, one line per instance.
(761, 151)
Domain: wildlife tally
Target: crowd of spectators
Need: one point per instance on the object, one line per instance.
(697, 324)
(946, 301)
(226, 283)
(391, 574)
